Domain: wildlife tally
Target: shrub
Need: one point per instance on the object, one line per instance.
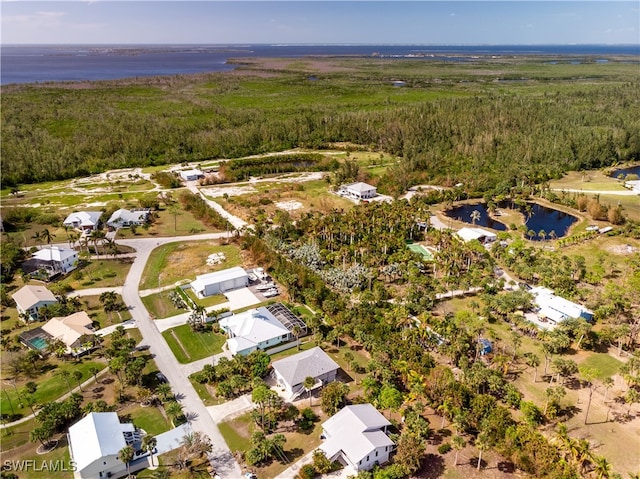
(444, 448)
(307, 472)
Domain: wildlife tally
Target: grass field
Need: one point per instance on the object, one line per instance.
(149, 418)
(51, 385)
(159, 305)
(97, 313)
(103, 273)
(188, 346)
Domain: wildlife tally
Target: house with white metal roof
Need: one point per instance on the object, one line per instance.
(252, 330)
(290, 372)
(123, 218)
(70, 330)
(556, 309)
(94, 443)
(83, 220)
(358, 191)
(469, 234)
(220, 281)
(31, 298)
(55, 260)
(357, 436)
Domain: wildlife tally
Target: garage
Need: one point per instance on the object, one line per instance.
(220, 281)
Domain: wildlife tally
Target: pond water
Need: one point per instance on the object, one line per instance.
(463, 213)
(632, 170)
(548, 219)
(539, 218)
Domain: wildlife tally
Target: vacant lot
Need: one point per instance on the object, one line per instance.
(180, 261)
(188, 346)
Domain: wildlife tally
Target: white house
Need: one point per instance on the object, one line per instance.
(252, 330)
(220, 281)
(83, 220)
(191, 175)
(357, 436)
(70, 330)
(56, 260)
(94, 443)
(359, 190)
(30, 298)
(556, 309)
(468, 234)
(122, 218)
(291, 372)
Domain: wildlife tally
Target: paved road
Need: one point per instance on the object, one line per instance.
(221, 457)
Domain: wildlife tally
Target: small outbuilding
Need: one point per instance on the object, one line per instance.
(220, 281)
(191, 175)
(469, 234)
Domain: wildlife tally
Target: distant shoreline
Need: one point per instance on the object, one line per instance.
(25, 64)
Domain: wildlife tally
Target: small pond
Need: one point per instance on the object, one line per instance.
(539, 218)
(632, 170)
(464, 212)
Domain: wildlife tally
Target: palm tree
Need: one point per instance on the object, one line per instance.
(47, 236)
(458, 443)
(149, 443)
(126, 455)
(96, 237)
(602, 467)
(66, 375)
(77, 375)
(36, 236)
(164, 390)
(482, 443)
(174, 410)
(296, 331)
(308, 384)
(475, 216)
(94, 370)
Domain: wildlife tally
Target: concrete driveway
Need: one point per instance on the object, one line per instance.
(241, 298)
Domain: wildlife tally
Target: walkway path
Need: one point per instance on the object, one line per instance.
(624, 192)
(237, 223)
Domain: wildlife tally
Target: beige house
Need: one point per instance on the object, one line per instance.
(70, 330)
(30, 298)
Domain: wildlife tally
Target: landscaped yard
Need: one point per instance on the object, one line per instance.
(188, 346)
(183, 261)
(96, 312)
(237, 435)
(207, 301)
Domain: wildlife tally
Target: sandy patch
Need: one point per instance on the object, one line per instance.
(289, 205)
(217, 192)
(623, 249)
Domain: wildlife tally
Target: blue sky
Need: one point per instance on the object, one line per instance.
(364, 22)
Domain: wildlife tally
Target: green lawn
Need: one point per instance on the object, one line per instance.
(51, 385)
(59, 458)
(606, 365)
(196, 345)
(104, 273)
(179, 261)
(208, 301)
(97, 313)
(150, 419)
(159, 305)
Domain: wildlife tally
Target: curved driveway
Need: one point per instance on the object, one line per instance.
(221, 457)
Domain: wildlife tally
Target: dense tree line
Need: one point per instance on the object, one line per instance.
(198, 208)
(242, 169)
(481, 137)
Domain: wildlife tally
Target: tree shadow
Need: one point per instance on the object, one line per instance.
(294, 454)
(432, 467)
(507, 467)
